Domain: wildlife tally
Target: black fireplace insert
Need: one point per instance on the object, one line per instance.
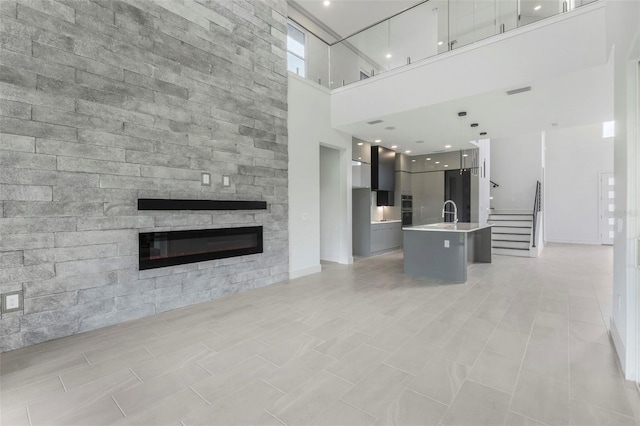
(159, 249)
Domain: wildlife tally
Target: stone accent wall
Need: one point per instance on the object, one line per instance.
(104, 102)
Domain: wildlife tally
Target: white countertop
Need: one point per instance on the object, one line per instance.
(374, 222)
(449, 227)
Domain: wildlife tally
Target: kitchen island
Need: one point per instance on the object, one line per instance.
(443, 250)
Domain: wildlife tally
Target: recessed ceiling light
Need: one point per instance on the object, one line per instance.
(326, 2)
(428, 158)
(378, 140)
(439, 43)
(360, 144)
(437, 162)
(359, 158)
(465, 155)
(388, 55)
(538, 7)
(413, 161)
(394, 146)
(407, 151)
(446, 165)
(447, 146)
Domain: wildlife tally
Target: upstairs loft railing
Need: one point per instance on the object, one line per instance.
(537, 205)
(427, 29)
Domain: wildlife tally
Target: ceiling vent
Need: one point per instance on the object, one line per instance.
(374, 122)
(520, 90)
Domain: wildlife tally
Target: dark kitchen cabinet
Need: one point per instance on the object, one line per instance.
(384, 198)
(383, 169)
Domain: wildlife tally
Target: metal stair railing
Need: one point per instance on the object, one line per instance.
(536, 208)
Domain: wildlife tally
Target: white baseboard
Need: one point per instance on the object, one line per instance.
(619, 345)
(562, 241)
(305, 271)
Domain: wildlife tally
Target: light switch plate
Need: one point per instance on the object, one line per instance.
(446, 243)
(206, 179)
(226, 181)
(12, 302)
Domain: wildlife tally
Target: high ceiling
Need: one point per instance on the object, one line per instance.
(574, 99)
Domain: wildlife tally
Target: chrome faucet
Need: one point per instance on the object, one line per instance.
(454, 212)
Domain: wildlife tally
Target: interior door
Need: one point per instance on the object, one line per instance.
(607, 218)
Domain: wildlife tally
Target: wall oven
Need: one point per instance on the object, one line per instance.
(407, 210)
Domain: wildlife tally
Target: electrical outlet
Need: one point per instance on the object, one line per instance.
(226, 181)
(206, 179)
(12, 302)
(446, 243)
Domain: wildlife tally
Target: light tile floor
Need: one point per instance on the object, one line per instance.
(523, 342)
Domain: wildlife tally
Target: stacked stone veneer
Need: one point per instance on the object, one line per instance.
(105, 102)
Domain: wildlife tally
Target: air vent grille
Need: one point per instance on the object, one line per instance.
(520, 90)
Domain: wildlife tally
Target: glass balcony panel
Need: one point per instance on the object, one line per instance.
(534, 10)
(471, 20)
(428, 29)
(485, 20)
(356, 57)
(317, 58)
(507, 15)
(295, 64)
(414, 34)
(295, 41)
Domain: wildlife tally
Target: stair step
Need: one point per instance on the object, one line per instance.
(516, 223)
(524, 245)
(497, 236)
(510, 252)
(493, 216)
(494, 211)
(500, 229)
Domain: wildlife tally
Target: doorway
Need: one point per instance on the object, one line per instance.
(457, 187)
(607, 207)
(330, 205)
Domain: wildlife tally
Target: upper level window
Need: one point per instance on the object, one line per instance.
(295, 50)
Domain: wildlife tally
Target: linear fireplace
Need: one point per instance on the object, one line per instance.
(159, 249)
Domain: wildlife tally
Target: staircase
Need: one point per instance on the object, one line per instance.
(511, 233)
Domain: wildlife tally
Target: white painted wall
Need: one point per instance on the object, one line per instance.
(309, 127)
(623, 36)
(516, 165)
(330, 215)
(484, 178)
(575, 157)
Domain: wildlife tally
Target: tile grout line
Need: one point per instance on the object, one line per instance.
(357, 408)
(485, 344)
(198, 393)
(274, 416)
(26, 407)
(62, 383)
(118, 405)
(525, 354)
